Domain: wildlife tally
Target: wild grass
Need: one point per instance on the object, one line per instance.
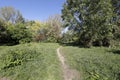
(33, 61)
(96, 63)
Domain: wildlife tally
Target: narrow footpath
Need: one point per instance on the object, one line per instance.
(68, 74)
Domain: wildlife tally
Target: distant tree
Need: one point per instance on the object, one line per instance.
(54, 24)
(9, 14)
(38, 30)
(47, 31)
(92, 20)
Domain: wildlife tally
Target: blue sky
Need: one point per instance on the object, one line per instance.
(35, 9)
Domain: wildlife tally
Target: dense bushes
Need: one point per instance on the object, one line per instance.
(4, 34)
(14, 33)
(16, 30)
(28, 31)
(17, 56)
(19, 33)
(48, 31)
(12, 27)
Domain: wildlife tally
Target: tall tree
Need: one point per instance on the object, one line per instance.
(91, 19)
(116, 5)
(9, 14)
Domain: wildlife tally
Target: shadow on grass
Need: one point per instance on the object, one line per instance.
(72, 44)
(115, 51)
(7, 44)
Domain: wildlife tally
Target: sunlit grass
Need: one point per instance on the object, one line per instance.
(42, 65)
(94, 63)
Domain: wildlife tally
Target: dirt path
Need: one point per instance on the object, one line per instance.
(68, 74)
(4, 78)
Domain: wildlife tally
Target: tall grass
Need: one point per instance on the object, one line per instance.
(33, 61)
(95, 63)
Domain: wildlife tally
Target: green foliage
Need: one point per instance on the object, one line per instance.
(33, 61)
(12, 27)
(68, 37)
(94, 63)
(14, 33)
(48, 31)
(17, 57)
(92, 20)
(19, 33)
(54, 26)
(4, 34)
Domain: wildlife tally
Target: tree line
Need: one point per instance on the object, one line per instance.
(83, 22)
(15, 29)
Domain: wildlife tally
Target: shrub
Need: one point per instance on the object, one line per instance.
(15, 57)
(20, 34)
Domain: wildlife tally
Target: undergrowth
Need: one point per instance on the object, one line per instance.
(33, 61)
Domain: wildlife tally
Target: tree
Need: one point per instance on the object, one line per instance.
(38, 30)
(67, 37)
(48, 31)
(92, 20)
(9, 14)
(20, 33)
(54, 24)
(4, 36)
(116, 5)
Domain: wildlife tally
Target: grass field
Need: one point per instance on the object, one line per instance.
(33, 61)
(39, 61)
(94, 63)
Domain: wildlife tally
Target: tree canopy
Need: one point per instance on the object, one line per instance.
(92, 20)
(9, 14)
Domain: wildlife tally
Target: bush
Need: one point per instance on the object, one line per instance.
(33, 61)
(20, 34)
(15, 57)
(4, 34)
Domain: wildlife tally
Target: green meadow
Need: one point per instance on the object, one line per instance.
(33, 61)
(96, 63)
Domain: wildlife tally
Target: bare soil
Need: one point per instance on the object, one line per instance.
(4, 78)
(68, 74)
